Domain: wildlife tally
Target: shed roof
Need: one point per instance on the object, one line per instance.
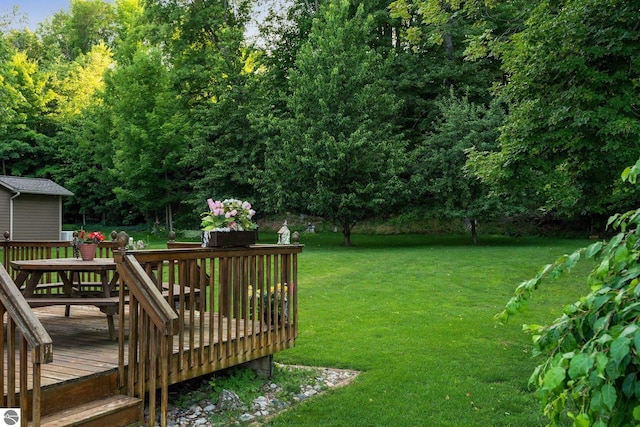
(33, 186)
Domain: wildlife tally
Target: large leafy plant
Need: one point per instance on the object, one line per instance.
(592, 368)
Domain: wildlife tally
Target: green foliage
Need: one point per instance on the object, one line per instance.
(289, 380)
(591, 367)
(241, 381)
(442, 181)
(572, 96)
(339, 154)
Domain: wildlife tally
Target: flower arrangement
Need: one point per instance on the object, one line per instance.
(92, 237)
(228, 215)
(83, 237)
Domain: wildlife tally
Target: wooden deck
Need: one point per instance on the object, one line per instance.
(83, 350)
(183, 312)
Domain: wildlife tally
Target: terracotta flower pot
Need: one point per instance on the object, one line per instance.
(88, 251)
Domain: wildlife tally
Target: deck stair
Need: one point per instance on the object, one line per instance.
(92, 400)
(117, 411)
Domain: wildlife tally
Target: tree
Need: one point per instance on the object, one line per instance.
(591, 368)
(73, 33)
(145, 136)
(339, 154)
(83, 144)
(573, 105)
(439, 174)
(26, 124)
(212, 76)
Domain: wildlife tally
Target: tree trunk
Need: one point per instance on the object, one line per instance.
(346, 231)
(474, 231)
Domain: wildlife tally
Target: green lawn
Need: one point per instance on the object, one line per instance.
(414, 314)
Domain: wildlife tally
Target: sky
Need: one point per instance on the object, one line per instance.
(38, 10)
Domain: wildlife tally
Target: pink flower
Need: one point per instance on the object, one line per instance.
(251, 212)
(234, 212)
(227, 215)
(212, 206)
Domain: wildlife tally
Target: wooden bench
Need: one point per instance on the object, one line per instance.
(108, 306)
(46, 301)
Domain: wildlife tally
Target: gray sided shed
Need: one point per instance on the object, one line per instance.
(31, 208)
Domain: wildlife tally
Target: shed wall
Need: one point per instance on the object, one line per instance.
(5, 197)
(36, 217)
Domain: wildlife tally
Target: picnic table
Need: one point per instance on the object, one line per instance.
(69, 270)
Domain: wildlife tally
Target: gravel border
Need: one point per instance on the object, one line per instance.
(230, 411)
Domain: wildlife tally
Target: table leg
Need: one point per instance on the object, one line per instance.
(112, 328)
(31, 284)
(67, 288)
(106, 288)
(21, 277)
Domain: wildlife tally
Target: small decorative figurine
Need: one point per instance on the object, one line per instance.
(284, 235)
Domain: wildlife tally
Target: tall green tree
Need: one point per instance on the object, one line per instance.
(339, 154)
(212, 75)
(146, 145)
(83, 142)
(26, 124)
(573, 109)
(73, 33)
(447, 189)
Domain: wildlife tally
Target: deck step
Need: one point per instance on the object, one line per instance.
(117, 411)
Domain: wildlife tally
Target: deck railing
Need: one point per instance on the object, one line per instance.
(190, 311)
(152, 325)
(23, 333)
(234, 305)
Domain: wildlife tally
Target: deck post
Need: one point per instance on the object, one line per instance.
(262, 366)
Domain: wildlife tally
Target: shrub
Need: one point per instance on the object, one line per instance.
(591, 353)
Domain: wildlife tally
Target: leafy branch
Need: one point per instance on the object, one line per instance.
(592, 368)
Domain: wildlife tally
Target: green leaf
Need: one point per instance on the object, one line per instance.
(573, 260)
(554, 377)
(630, 329)
(582, 420)
(636, 413)
(601, 363)
(620, 348)
(603, 268)
(609, 396)
(580, 365)
(629, 385)
(615, 241)
(593, 249)
(621, 253)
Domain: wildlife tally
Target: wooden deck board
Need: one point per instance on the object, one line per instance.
(81, 345)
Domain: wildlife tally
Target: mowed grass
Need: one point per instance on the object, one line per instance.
(415, 315)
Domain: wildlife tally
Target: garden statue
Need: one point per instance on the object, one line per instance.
(284, 235)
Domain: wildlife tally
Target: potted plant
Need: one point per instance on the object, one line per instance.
(85, 244)
(275, 301)
(228, 223)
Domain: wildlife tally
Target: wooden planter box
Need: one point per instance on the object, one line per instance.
(228, 239)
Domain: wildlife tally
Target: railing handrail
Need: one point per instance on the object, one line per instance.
(148, 296)
(188, 249)
(25, 319)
